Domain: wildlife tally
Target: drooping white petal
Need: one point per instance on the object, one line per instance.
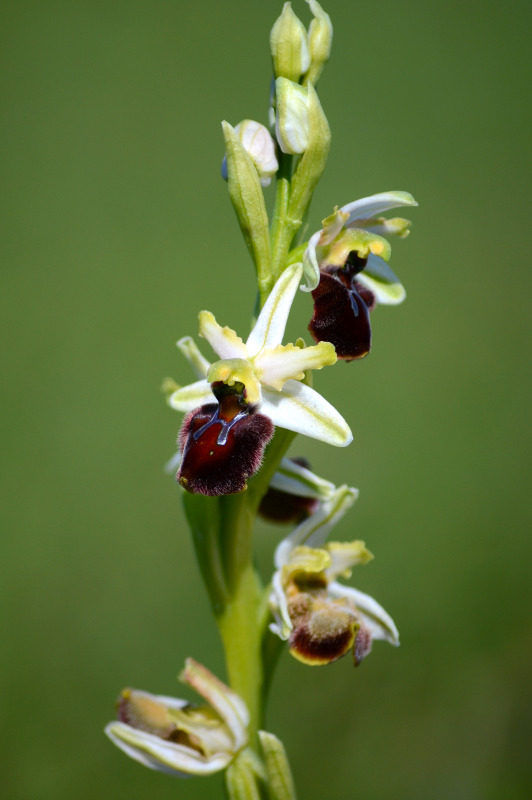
(276, 366)
(197, 361)
(224, 341)
(374, 205)
(162, 755)
(311, 267)
(227, 703)
(292, 478)
(192, 396)
(299, 408)
(269, 328)
(313, 531)
(382, 281)
(376, 619)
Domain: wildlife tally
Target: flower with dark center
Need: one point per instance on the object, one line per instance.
(222, 443)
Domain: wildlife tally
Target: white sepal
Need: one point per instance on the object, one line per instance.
(375, 618)
(299, 408)
(269, 329)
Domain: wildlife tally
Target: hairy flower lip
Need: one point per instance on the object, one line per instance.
(270, 371)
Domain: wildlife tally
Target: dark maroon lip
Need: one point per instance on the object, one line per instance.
(341, 309)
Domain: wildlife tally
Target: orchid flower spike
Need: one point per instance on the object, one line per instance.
(254, 386)
(170, 735)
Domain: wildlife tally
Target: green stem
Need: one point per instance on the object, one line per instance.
(283, 228)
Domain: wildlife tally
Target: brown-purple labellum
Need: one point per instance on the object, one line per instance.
(222, 444)
(323, 632)
(283, 507)
(341, 309)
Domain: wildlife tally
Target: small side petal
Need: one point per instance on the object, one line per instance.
(270, 326)
(345, 555)
(276, 366)
(192, 396)
(397, 226)
(224, 341)
(382, 281)
(375, 618)
(197, 361)
(376, 204)
(299, 408)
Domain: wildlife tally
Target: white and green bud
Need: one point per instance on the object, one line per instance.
(260, 147)
(320, 35)
(292, 118)
(289, 46)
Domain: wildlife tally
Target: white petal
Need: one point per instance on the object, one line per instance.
(190, 350)
(164, 756)
(311, 267)
(188, 397)
(382, 281)
(270, 326)
(313, 531)
(224, 341)
(292, 478)
(374, 205)
(227, 703)
(275, 367)
(376, 619)
(299, 408)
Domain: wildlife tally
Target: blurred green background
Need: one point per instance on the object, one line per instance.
(117, 229)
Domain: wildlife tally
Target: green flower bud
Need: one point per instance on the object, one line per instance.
(289, 46)
(320, 34)
(292, 118)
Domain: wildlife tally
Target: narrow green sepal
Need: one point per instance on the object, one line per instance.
(312, 163)
(247, 197)
(278, 773)
(244, 777)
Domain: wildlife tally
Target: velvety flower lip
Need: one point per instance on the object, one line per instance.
(169, 735)
(359, 226)
(341, 309)
(271, 372)
(222, 444)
